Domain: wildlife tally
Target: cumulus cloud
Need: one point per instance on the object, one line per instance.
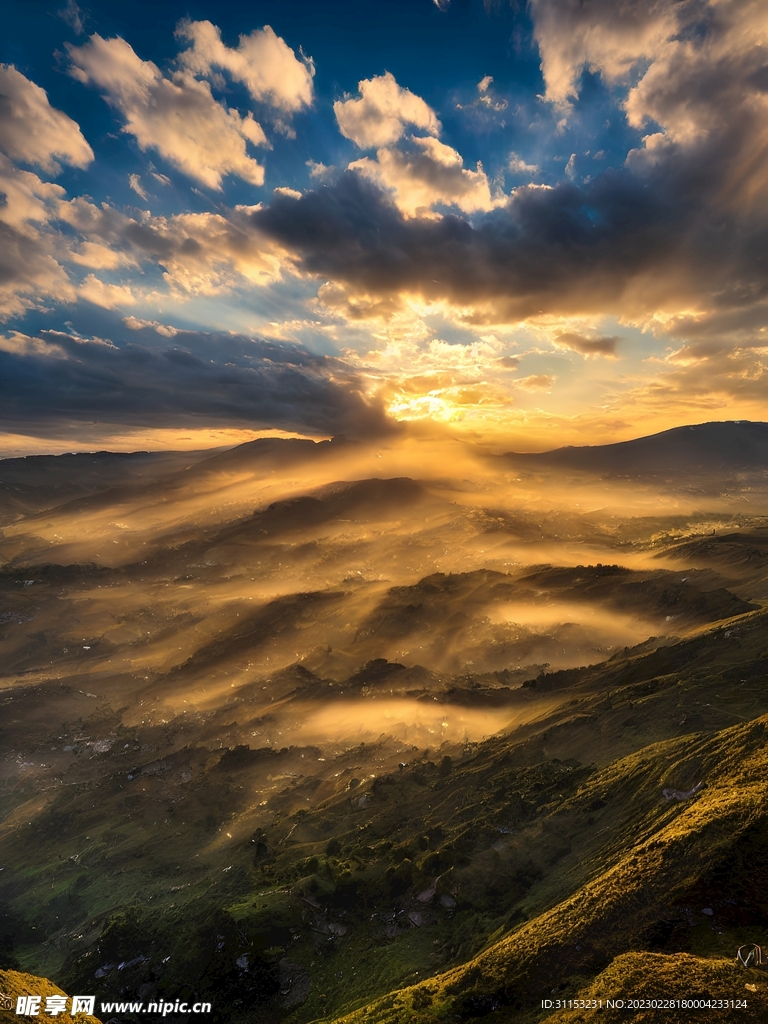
(207, 253)
(706, 88)
(426, 172)
(517, 165)
(45, 238)
(587, 346)
(200, 253)
(176, 117)
(317, 169)
(686, 67)
(29, 271)
(134, 323)
(55, 380)
(34, 132)
(96, 256)
(379, 116)
(102, 293)
(606, 36)
(419, 171)
(262, 62)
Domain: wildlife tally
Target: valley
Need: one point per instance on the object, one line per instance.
(322, 732)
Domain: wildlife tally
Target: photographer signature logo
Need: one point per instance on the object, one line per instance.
(751, 955)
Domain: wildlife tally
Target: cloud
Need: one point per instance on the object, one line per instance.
(428, 378)
(109, 296)
(607, 36)
(201, 253)
(134, 323)
(134, 180)
(34, 132)
(425, 172)
(29, 271)
(421, 171)
(681, 227)
(706, 85)
(262, 62)
(319, 170)
(177, 117)
(73, 16)
(19, 344)
(535, 382)
(379, 116)
(485, 98)
(540, 251)
(97, 257)
(55, 380)
(45, 238)
(599, 346)
(725, 383)
(691, 68)
(517, 165)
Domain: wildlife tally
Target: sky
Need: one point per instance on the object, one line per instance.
(523, 224)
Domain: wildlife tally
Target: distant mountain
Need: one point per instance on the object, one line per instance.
(35, 482)
(704, 448)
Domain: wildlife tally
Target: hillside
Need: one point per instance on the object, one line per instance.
(311, 739)
(702, 449)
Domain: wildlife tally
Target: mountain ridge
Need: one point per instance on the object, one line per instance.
(711, 447)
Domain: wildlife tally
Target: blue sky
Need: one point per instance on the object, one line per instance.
(531, 224)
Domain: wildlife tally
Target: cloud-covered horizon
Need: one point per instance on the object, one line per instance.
(165, 378)
(570, 253)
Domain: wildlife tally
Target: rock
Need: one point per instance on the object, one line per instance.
(295, 984)
(679, 794)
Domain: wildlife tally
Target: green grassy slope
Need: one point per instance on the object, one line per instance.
(15, 983)
(665, 865)
(456, 889)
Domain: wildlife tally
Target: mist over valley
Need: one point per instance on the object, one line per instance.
(277, 702)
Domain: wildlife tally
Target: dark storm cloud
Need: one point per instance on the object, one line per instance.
(566, 248)
(54, 381)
